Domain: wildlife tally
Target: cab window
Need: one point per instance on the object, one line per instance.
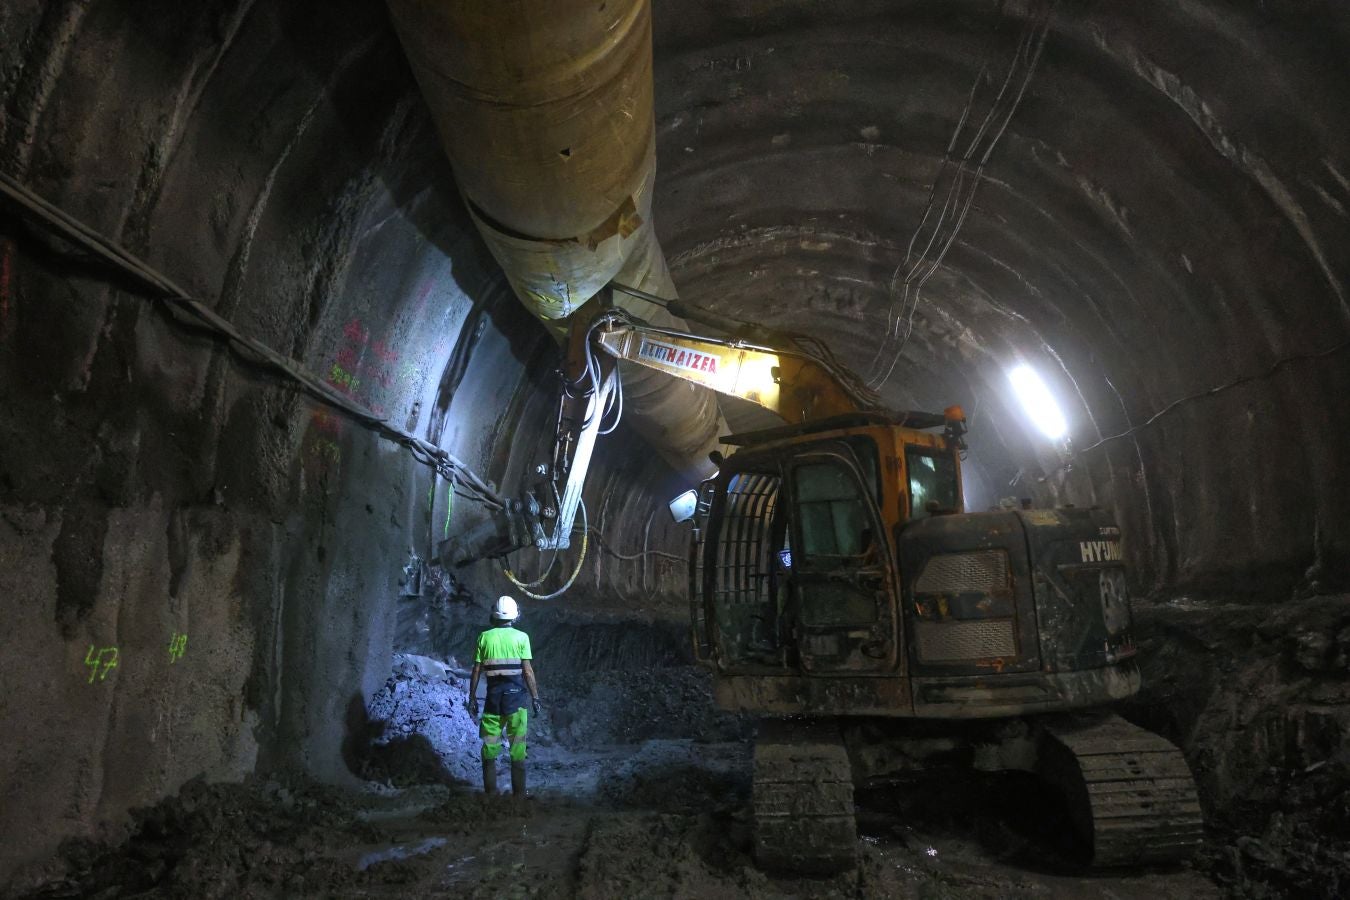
(831, 514)
(932, 480)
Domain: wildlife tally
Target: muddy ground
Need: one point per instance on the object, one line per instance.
(662, 818)
(637, 790)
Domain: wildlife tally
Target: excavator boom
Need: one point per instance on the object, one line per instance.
(793, 385)
(800, 386)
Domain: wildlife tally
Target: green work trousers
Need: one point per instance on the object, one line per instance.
(492, 727)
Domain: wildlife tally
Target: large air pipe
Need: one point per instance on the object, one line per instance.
(545, 110)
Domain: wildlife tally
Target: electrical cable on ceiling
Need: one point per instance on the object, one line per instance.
(180, 304)
(1219, 389)
(640, 294)
(929, 267)
(917, 272)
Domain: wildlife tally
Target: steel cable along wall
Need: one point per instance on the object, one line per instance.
(545, 111)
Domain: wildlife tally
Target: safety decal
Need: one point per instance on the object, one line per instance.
(680, 357)
(1041, 517)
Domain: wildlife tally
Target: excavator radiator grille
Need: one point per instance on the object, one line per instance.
(954, 573)
(961, 640)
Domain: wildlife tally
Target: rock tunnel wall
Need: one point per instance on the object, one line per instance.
(200, 569)
(1165, 214)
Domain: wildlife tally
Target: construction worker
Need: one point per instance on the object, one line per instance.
(503, 655)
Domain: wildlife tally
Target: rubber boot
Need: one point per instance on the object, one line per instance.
(518, 779)
(489, 776)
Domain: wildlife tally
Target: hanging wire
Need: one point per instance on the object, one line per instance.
(182, 306)
(959, 199)
(640, 554)
(1219, 389)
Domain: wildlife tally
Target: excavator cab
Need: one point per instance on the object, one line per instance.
(797, 567)
(841, 582)
(796, 550)
(835, 573)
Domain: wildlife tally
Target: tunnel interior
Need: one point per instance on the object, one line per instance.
(226, 599)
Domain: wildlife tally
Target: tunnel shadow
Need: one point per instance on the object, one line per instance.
(684, 789)
(372, 754)
(1010, 818)
(355, 51)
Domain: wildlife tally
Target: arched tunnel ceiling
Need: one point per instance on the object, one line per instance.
(1166, 212)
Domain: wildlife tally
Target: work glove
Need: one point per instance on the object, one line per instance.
(537, 706)
(472, 706)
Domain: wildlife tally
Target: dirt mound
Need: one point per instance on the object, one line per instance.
(259, 839)
(1258, 696)
(630, 706)
(418, 730)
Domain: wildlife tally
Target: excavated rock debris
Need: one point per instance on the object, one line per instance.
(419, 732)
(1258, 696)
(260, 839)
(418, 729)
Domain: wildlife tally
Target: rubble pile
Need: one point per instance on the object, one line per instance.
(1259, 698)
(258, 839)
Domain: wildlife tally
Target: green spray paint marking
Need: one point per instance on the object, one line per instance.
(177, 647)
(107, 658)
(449, 506)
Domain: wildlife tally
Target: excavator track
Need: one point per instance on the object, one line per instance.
(803, 799)
(1129, 790)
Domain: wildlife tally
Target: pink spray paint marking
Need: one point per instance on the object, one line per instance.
(359, 362)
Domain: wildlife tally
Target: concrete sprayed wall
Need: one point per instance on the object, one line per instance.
(199, 569)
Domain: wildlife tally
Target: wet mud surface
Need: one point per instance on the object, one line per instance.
(663, 818)
(610, 814)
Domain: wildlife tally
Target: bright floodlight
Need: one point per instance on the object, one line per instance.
(1039, 404)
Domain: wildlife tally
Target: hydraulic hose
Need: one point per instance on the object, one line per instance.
(525, 589)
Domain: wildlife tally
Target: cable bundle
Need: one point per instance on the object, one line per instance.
(181, 305)
(960, 195)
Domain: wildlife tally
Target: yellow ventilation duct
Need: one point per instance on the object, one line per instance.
(545, 110)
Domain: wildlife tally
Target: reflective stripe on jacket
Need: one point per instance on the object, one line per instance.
(501, 652)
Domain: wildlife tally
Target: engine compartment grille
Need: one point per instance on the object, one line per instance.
(954, 573)
(965, 640)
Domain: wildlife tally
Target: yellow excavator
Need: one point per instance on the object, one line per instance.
(841, 594)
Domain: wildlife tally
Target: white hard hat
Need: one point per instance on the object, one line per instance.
(505, 609)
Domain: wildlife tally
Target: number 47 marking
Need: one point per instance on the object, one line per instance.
(107, 658)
